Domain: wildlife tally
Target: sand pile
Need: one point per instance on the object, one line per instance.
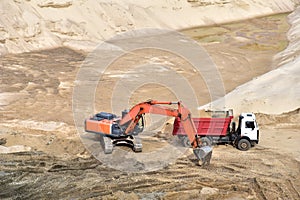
(277, 91)
(81, 24)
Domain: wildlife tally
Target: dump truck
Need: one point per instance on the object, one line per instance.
(222, 130)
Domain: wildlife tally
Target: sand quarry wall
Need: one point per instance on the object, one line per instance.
(277, 91)
(81, 24)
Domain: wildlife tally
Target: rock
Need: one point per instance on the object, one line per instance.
(14, 149)
(3, 49)
(209, 191)
(121, 195)
(55, 3)
(2, 141)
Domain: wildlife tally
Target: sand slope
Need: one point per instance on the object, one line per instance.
(80, 24)
(275, 92)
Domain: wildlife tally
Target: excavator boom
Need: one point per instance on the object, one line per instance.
(130, 120)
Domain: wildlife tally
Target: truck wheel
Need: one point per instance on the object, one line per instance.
(243, 144)
(184, 140)
(206, 141)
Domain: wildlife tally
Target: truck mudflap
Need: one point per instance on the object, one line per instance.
(203, 154)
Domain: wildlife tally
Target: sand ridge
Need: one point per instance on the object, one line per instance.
(82, 24)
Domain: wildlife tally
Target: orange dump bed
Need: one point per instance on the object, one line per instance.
(205, 126)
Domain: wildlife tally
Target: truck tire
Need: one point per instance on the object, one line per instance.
(206, 141)
(243, 144)
(184, 140)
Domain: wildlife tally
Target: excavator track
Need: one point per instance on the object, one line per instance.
(108, 145)
(137, 144)
(134, 141)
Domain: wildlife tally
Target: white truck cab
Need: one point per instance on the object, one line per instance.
(248, 131)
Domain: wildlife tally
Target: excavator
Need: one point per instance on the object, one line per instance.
(117, 130)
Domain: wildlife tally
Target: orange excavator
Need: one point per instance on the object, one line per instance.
(117, 130)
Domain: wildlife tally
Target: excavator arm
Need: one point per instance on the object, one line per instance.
(130, 120)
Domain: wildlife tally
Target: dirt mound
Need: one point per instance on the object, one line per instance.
(285, 120)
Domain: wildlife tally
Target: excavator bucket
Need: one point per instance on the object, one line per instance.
(203, 154)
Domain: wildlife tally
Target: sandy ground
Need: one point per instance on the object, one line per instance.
(35, 103)
(264, 172)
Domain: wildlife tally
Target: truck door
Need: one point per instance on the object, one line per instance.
(250, 130)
